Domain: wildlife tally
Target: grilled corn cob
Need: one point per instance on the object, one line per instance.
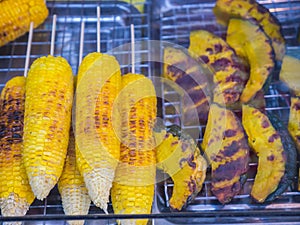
(98, 147)
(75, 198)
(48, 102)
(15, 192)
(16, 15)
(133, 187)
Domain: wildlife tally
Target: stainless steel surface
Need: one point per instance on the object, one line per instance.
(172, 21)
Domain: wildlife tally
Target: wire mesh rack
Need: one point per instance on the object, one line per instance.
(171, 21)
(116, 18)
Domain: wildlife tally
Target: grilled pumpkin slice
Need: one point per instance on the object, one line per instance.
(193, 79)
(294, 125)
(227, 151)
(276, 154)
(294, 121)
(230, 74)
(252, 44)
(224, 10)
(178, 155)
(289, 73)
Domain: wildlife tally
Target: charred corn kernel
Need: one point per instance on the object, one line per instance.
(71, 186)
(48, 102)
(15, 192)
(133, 187)
(98, 147)
(16, 15)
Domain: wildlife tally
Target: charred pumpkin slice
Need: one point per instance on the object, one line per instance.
(294, 120)
(252, 44)
(224, 10)
(178, 155)
(193, 79)
(227, 151)
(294, 125)
(230, 74)
(265, 140)
(289, 73)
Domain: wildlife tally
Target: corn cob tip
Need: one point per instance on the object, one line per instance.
(13, 205)
(99, 182)
(41, 186)
(73, 195)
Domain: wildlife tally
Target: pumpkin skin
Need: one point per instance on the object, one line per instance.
(252, 44)
(227, 151)
(224, 10)
(178, 155)
(230, 74)
(194, 79)
(290, 151)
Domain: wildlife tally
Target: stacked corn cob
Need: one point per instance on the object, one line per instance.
(16, 15)
(133, 187)
(15, 192)
(98, 147)
(75, 198)
(48, 101)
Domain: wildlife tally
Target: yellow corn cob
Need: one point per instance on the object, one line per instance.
(15, 192)
(133, 187)
(48, 102)
(98, 147)
(16, 15)
(75, 198)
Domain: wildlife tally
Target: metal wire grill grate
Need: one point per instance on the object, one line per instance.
(174, 24)
(116, 18)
